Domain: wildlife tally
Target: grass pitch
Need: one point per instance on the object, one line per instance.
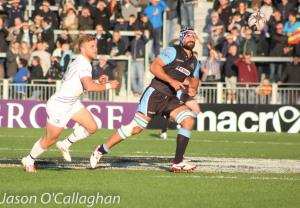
(147, 187)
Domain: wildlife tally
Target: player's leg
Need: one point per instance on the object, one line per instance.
(87, 126)
(137, 125)
(164, 129)
(183, 116)
(194, 106)
(52, 132)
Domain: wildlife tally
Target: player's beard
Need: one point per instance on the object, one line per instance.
(189, 45)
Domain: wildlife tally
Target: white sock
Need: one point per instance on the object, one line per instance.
(36, 150)
(79, 133)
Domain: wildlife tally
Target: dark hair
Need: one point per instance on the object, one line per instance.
(23, 62)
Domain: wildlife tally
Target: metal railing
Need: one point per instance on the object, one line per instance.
(42, 90)
(249, 93)
(211, 93)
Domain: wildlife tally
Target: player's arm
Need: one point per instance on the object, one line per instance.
(91, 86)
(156, 68)
(194, 80)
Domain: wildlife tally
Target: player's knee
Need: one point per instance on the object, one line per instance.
(134, 127)
(185, 118)
(92, 129)
(136, 130)
(188, 123)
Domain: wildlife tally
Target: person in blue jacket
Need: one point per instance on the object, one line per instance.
(21, 78)
(154, 11)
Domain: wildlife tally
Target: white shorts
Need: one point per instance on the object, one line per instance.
(59, 113)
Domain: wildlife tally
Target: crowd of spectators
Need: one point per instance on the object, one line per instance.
(32, 38)
(227, 26)
(47, 56)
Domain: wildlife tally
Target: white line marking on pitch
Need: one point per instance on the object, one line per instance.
(263, 178)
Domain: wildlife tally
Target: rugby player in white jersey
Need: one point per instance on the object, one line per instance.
(65, 105)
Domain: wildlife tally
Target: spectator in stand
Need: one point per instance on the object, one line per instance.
(236, 35)
(102, 16)
(132, 23)
(55, 72)
(66, 56)
(121, 24)
(187, 12)
(70, 21)
(27, 36)
(172, 20)
(21, 77)
(278, 42)
(14, 10)
(155, 11)
(64, 7)
(248, 45)
(114, 8)
(242, 10)
(292, 24)
(237, 21)
(64, 37)
(216, 31)
(15, 30)
(48, 34)
(85, 20)
(146, 26)
(291, 75)
(128, 9)
(231, 73)
(104, 67)
(46, 13)
(226, 45)
(267, 9)
(24, 52)
(225, 12)
(44, 56)
(247, 71)
(274, 20)
(118, 47)
(211, 68)
(92, 6)
(36, 27)
(12, 56)
(3, 45)
(137, 51)
(36, 71)
(285, 8)
(102, 39)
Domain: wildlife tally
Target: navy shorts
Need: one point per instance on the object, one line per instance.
(154, 103)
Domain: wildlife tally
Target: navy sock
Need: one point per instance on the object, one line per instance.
(103, 149)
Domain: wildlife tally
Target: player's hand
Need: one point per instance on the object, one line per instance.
(176, 85)
(114, 84)
(103, 79)
(192, 92)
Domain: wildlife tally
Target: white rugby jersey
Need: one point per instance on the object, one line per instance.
(72, 88)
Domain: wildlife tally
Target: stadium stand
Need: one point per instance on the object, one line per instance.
(45, 28)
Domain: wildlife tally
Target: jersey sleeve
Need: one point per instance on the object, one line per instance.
(168, 55)
(85, 72)
(196, 73)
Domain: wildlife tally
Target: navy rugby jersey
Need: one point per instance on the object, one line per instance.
(178, 66)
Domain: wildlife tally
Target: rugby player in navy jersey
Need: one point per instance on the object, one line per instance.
(170, 68)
